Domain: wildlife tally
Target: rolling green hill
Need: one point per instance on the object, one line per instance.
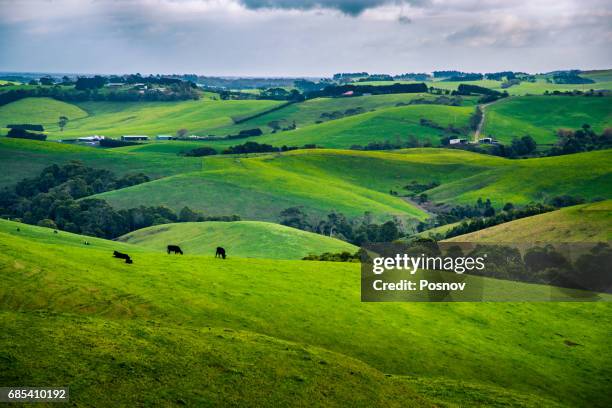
(353, 182)
(394, 124)
(26, 158)
(241, 330)
(581, 223)
(123, 118)
(584, 175)
(541, 116)
(39, 111)
(350, 182)
(244, 239)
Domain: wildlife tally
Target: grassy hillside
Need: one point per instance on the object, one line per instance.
(39, 111)
(542, 116)
(26, 158)
(243, 239)
(394, 124)
(581, 223)
(121, 118)
(352, 182)
(585, 175)
(129, 326)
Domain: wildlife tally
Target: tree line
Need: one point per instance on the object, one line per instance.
(58, 198)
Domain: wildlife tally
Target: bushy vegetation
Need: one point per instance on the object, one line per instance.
(199, 152)
(357, 231)
(581, 140)
(57, 198)
(19, 133)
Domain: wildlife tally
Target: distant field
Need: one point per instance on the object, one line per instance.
(121, 118)
(541, 116)
(352, 182)
(581, 223)
(38, 111)
(585, 175)
(311, 111)
(289, 332)
(243, 239)
(26, 158)
(603, 82)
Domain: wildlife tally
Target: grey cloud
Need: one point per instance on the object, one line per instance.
(350, 7)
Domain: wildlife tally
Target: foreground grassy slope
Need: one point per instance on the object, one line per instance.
(244, 239)
(581, 223)
(26, 158)
(541, 116)
(130, 316)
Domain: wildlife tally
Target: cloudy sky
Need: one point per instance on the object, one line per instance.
(303, 37)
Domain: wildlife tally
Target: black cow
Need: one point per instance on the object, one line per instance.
(175, 248)
(220, 253)
(119, 255)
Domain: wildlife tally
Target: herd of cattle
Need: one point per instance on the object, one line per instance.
(220, 253)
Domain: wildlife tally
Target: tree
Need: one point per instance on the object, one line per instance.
(181, 133)
(388, 232)
(62, 122)
(47, 223)
(188, 215)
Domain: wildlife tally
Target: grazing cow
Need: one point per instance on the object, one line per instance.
(175, 248)
(55, 231)
(220, 253)
(119, 255)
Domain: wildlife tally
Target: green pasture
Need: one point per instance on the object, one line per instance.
(581, 223)
(244, 239)
(240, 330)
(541, 116)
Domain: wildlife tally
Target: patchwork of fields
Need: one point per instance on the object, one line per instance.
(263, 327)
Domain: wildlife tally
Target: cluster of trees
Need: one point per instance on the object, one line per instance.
(581, 140)
(57, 198)
(175, 92)
(85, 83)
(490, 219)
(498, 76)
(254, 147)
(340, 114)
(519, 147)
(357, 231)
(467, 89)
(246, 133)
(482, 208)
(410, 142)
(335, 257)
(281, 94)
(199, 152)
(338, 90)
(465, 77)
(20, 133)
(570, 77)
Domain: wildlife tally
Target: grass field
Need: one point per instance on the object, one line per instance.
(39, 111)
(243, 239)
(240, 330)
(26, 158)
(541, 116)
(581, 223)
(351, 182)
(396, 125)
(603, 81)
(123, 118)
